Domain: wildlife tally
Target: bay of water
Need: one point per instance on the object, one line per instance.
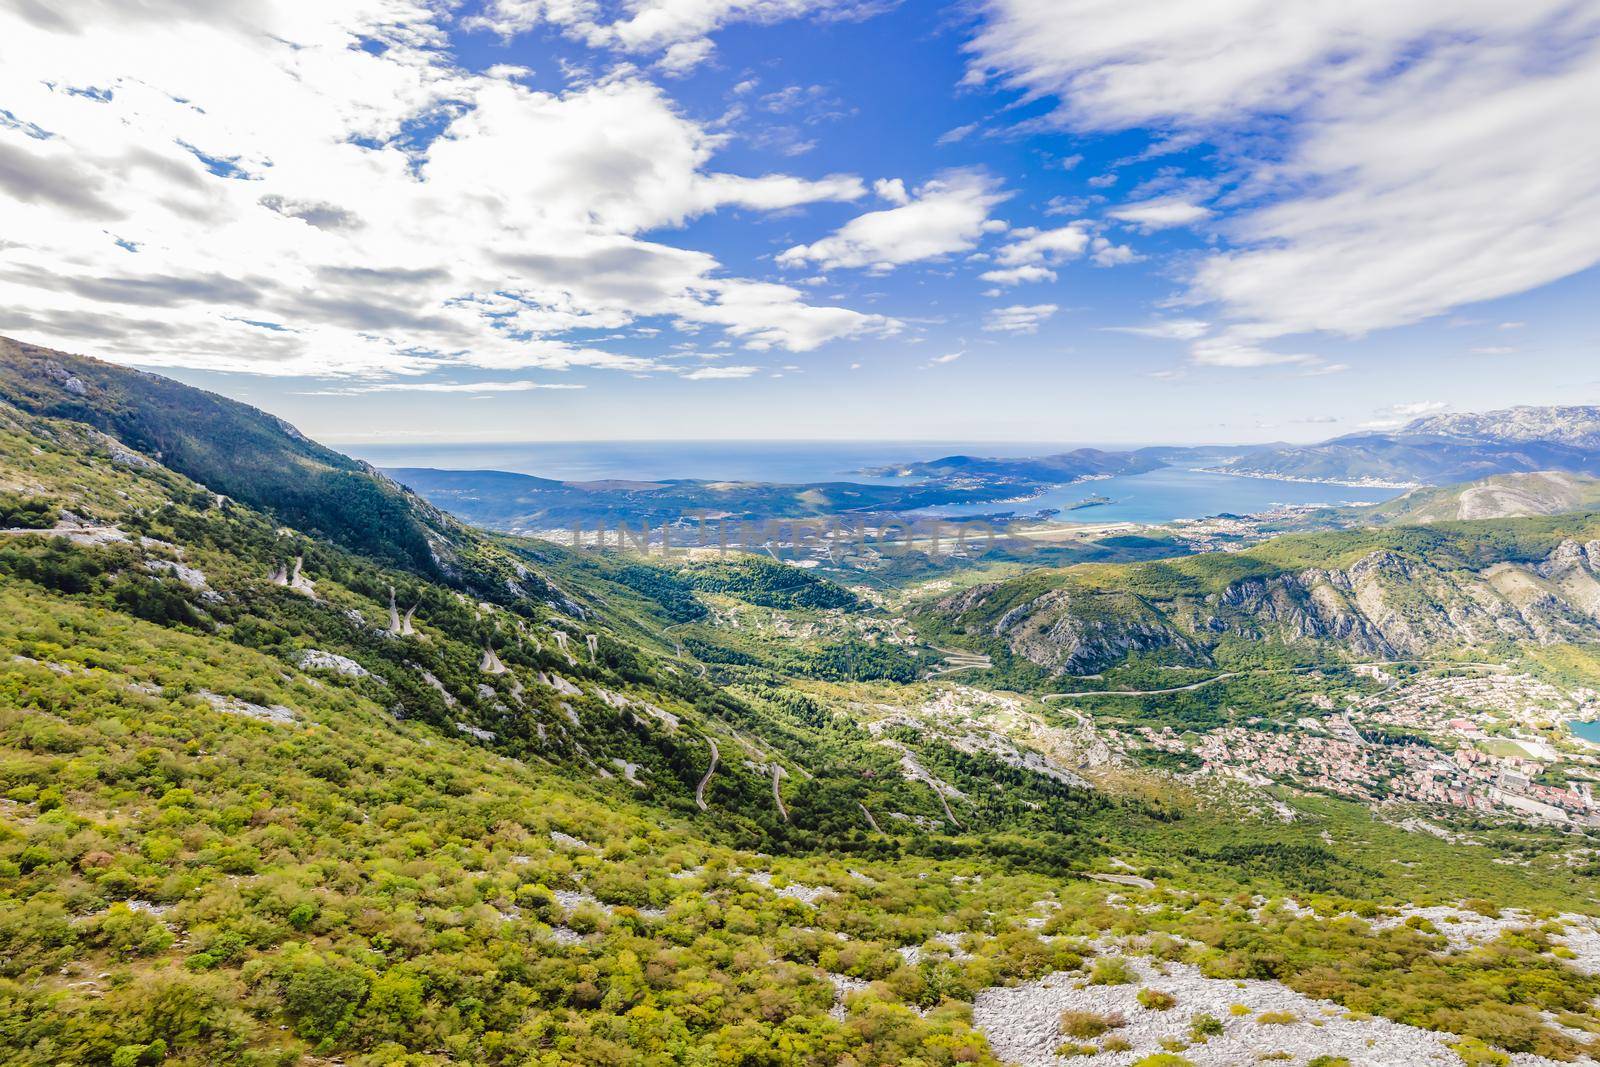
(1589, 731)
(741, 461)
(1159, 496)
(1175, 493)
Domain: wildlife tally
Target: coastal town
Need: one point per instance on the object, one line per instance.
(1480, 739)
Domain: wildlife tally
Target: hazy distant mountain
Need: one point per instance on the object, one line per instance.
(1060, 468)
(1576, 426)
(1444, 449)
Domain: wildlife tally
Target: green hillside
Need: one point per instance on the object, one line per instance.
(273, 792)
(238, 451)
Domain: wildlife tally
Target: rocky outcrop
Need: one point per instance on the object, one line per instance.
(1079, 632)
(315, 659)
(1385, 605)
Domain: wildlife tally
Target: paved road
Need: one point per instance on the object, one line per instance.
(960, 660)
(1271, 670)
(778, 799)
(700, 790)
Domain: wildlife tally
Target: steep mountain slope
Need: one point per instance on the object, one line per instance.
(240, 452)
(1404, 592)
(582, 681)
(1505, 496)
(601, 666)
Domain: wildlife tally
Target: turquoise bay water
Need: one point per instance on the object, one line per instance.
(1589, 731)
(1159, 496)
(1175, 493)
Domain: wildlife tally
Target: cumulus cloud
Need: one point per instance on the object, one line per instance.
(945, 215)
(892, 190)
(1030, 253)
(1018, 318)
(1391, 161)
(1106, 253)
(328, 208)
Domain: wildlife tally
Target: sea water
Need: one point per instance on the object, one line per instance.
(1158, 496)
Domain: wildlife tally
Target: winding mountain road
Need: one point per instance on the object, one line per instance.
(700, 790)
(776, 797)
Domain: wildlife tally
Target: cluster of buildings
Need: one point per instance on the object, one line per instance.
(1474, 705)
(1464, 742)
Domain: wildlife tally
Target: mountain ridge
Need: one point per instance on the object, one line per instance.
(236, 450)
(1443, 449)
(1362, 594)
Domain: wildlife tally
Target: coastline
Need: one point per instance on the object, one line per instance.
(1361, 483)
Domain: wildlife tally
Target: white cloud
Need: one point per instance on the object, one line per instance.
(1396, 160)
(1043, 246)
(289, 218)
(1030, 253)
(892, 190)
(1231, 349)
(1104, 253)
(948, 357)
(1171, 329)
(945, 215)
(960, 133)
(1397, 415)
(765, 315)
(706, 374)
(1018, 318)
(679, 29)
(1161, 213)
(1019, 275)
(444, 387)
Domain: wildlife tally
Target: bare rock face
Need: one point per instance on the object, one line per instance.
(1385, 605)
(64, 378)
(315, 659)
(1080, 632)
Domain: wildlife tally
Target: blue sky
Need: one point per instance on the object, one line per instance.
(1238, 220)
